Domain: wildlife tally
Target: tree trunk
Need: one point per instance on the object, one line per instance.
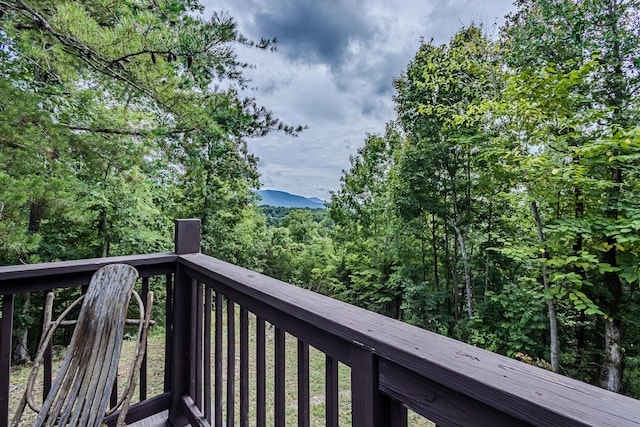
(103, 223)
(21, 340)
(457, 222)
(434, 244)
(103, 232)
(554, 345)
(467, 270)
(611, 375)
(486, 252)
(423, 247)
(454, 270)
(612, 368)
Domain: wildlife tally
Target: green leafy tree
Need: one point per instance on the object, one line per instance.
(122, 106)
(364, 230)
(578, 88)
(439, 103)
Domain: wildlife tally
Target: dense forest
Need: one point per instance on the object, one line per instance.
(501, 207)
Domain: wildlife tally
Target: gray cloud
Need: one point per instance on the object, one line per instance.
(317, 31)
(333, 71)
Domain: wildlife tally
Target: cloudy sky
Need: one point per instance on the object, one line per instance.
(333, 72)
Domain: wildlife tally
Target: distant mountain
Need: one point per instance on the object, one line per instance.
(287, 200)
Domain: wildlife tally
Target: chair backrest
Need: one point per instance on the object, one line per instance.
(80, 393)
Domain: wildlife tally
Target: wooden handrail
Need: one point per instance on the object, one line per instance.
(63, 274)
(441, 378)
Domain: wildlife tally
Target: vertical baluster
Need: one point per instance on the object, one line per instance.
(260, 373)
(218, 360)
(143, 368)
(231, 362)
(5, 356)
(331, 392)
(398, 414)
(168, 332)
(47, 361)
(207, 353)
(279, 373)
(303, 384)
(244, 367)
(199, 344)
(193, 349)
(368, 405)
(364, 388)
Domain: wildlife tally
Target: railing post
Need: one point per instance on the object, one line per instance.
(187, 236)
(187, 240)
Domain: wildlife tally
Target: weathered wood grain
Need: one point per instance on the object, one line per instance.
(80, 394)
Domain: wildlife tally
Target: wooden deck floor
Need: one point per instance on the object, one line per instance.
(157, 420)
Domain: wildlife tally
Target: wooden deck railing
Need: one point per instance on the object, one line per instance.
(224, 323)
(41, 278)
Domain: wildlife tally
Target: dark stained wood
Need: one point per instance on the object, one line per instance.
(17, 279)
(231, 363)
(303, 384)
(323, 340)
(331, 392)
(279, 373)
(142, 410)
(5, 354)
(47, 362)
(187, 236)
(142, 383)
(195, 347)
(199, 346)
(244, 367)
(207, 353)
(516, 389)
(438, 403)
(368, 406)
(261, 420)
(180, 344)
(447, 381)
(168, 331)
(187, 233)
(192, 413)
(397, 414)
(218, 351)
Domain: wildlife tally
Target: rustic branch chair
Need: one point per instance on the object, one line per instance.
(80, 394)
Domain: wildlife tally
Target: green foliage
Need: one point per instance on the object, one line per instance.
(499, 208)
(116, 118)
(508, 188)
